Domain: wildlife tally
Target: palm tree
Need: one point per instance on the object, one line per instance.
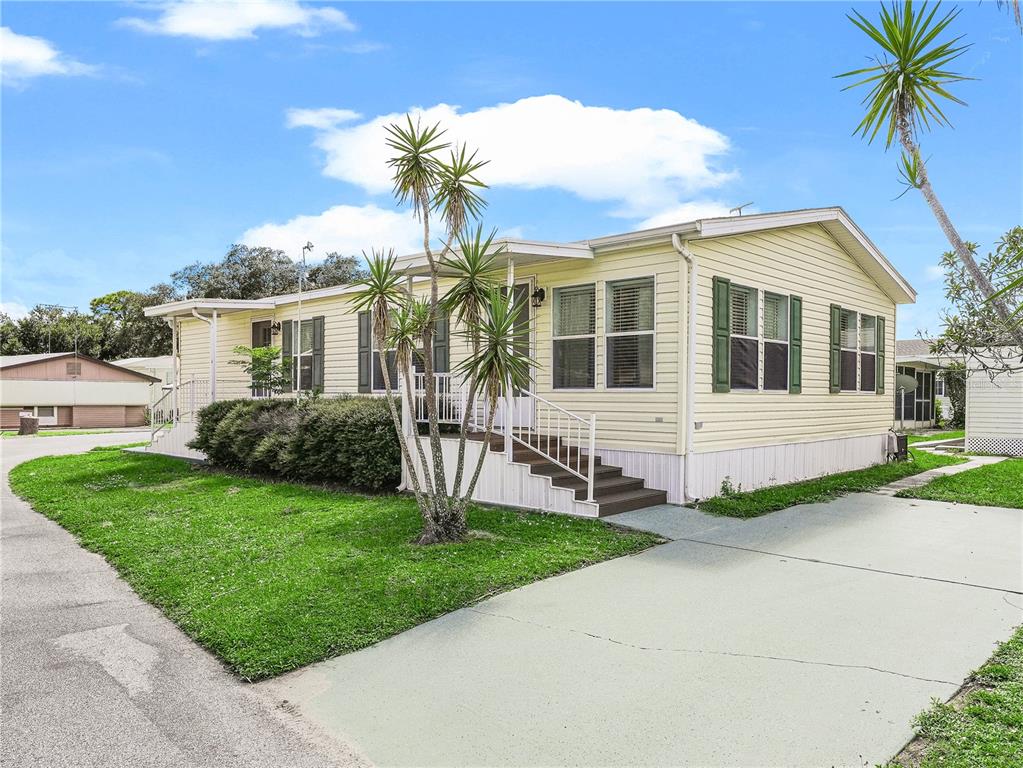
(380, 295)
(473, 267)
(907, 89)
(493, 366)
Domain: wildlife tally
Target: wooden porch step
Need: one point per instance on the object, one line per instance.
(630, 500)
(602, 486)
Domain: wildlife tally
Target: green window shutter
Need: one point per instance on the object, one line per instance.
(795, 345)
(441, 346)
(365, 354)
(721, 351)
(835, 346)
(879, 366)
(318, 353)
(287, 339)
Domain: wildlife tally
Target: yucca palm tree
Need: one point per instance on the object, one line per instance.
(472, 266)
(381, 294)
(908, 86)
(491, 369)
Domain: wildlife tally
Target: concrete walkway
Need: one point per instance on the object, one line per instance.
(923, 478)
(808, 637)
(93, 676)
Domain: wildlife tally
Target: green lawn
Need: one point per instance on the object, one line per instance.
(954, 435)
(993, 485)
(981, 727)
(760, 502)
(273, 576)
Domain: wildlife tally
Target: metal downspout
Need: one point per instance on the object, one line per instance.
(682, 246)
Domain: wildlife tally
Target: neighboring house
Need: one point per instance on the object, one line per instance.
(741, 351)
(66, 389)
(161, 367)
(916, 408)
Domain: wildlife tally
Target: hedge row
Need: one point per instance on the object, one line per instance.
(349, 440)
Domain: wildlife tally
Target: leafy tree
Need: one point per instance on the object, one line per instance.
(264, 366)
(51, 329)
(335, 269)
(439, 183)
(908, 86)
(954, 376)
(973, 329)
(125, 331)
(243, 273)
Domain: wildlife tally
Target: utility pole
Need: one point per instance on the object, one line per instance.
(296, 343)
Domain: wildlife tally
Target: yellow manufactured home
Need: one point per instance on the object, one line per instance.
(730, 352)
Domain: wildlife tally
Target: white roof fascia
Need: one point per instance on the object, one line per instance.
(185, 306)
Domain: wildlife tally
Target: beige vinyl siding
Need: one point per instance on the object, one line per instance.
(804, 261)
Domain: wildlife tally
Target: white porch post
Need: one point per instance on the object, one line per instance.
(175, 370)
(509, 401)
(213, 358)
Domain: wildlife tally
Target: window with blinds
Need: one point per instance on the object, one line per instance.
(849, 337)
(776, 341)
(868, 353)
(744, 311)
(630, 333)
(745, 354)
(575, 326)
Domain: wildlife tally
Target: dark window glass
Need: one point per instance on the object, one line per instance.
(848, 370)
(630, 361)
(867, 372)
(744, 363)
(776, 366)
(573, 363)
(392, 371)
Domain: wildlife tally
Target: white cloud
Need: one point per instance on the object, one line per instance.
(348, 229)
(15, 309)
(23, 57)
(934, 272)
(697, 209)
(644, 162)
(238, 19)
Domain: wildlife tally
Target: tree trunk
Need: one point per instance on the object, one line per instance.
(962, 251)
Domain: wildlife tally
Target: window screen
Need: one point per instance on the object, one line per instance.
(868, 372)
(868, 334)
(574, 336)
(849, 370)
(848, 331)
(745, 368)
(776, 317)
(73, 369)
(744, 311)
(630, 333)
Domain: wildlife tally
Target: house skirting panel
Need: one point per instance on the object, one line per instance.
(750, 468)
(662, 471)
(998, 445)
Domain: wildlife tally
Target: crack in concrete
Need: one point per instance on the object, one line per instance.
(854, 567)
(704, 651)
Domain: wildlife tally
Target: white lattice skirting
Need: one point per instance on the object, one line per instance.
(999, 446)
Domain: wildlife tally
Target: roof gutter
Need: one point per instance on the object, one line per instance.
(682, 246)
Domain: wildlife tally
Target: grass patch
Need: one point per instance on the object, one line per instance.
(64, 432)
(760, 502)
(955, 435)
(273, 576)
(980, 726)
(992, 485)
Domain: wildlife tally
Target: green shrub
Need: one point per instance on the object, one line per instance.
(348, 440)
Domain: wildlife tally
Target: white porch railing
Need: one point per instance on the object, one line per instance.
(162, 411)
(554, 432)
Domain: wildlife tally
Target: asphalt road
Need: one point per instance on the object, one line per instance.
(90, 675)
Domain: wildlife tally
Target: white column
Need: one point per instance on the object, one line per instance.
(509, 400)
(176, 375)
(213, 358)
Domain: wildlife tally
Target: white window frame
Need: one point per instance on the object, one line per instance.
(555, 338)
(842, 348)
(297, 354)
(609, 335)
(939, 384)
(762, 349)
(861, 352)
(731, 335)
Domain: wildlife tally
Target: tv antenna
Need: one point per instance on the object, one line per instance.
(737, 210)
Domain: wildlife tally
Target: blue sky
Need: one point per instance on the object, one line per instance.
(139, 138)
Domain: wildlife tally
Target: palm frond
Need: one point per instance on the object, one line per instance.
(456, 195)
(415, 166)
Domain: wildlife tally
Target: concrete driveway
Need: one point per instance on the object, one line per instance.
(93, 676)
(809, 637)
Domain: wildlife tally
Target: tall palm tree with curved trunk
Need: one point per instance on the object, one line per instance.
(908, 86)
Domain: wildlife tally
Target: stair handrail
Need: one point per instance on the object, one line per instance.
(157, 421)
(585, 431)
